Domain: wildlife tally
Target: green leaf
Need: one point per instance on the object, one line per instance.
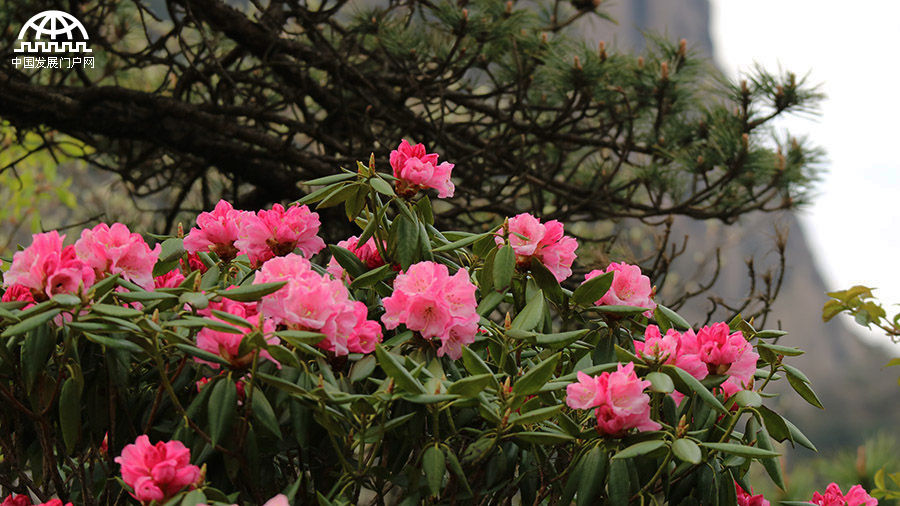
(362, 369)
(781, 350)
(593, 289)
(145, 296)
(748, 399)
(535, 415)
(804, 390)
(591, 470)
(29, 323)
(264, 413)
(117, 311)
(66, 299)
(201, 354)
(471, 386)
(773, 465)
(546, 281)
(560, 339)
(504, 267)
(619, 309)
(434, 465)
(543, 438)
(196, 300)
(798, 436)
(232, 319)
(460, 243)
(249, 293)
(404, 241)
(475, 365)
(35, 350)
(370, 278)
(675, 318)
(221, 409)
(531, 314)
(741, 450)
(348, 261)
(687, 450)
(638, 449)
(489, 302)
(425, 211)
(394, 368)
(536, 377)
(660, 382)
(619, 483)
(693, 385)
(296, 337)
(334, 178)
(382, 186)
(70, 412)
(118, 343)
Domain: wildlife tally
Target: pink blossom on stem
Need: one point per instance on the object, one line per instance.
(629, 287)
(116, 250)
(748, 499)
(619, 399)
(16, 500)
(157, 472)
(227, 344)
(417, 170)
(18, 293)
(833, 496)
(367, 254)
(46, 268)
(278, 232)
(216, 231)
(544, 241)
(723, 352)
(317, 303)
(430, 301)
(171, 279)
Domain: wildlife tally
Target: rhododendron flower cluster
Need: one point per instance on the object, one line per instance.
(170, 279)
(530, 238)
(415, 169)
(216, 231)
(116, 250)
(748, 499)
(227, 344)
(262, 235)
(833, 496)
(712, 350)
(367, 253)
(427, 299)
(279, 231)
(24, 500)
(157, 472)
(313, 302)
(46, 268)
(629, 287)
(618, 398)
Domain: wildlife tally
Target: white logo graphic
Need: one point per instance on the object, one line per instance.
(60, 27)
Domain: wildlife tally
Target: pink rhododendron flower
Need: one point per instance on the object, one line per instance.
(427, 299)
(54, 502)
(723, 352)
(46, 268)
(227, 344)
(833, 496)
(16, 500)
(216, 231)
(115, 250)
(367, 254)
(278, 232)
(629, 287)
(417, 170)
(544, 241)
(748, 499)
(619, 399)
(278, 500)
(193, 264)
(18, 293)
(157, 472)
(669, 350)
(313, 302)
(171, 279)
(586, 393)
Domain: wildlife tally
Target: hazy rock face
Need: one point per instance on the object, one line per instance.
(847, 374)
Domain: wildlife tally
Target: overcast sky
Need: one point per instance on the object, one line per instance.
(854, 223)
